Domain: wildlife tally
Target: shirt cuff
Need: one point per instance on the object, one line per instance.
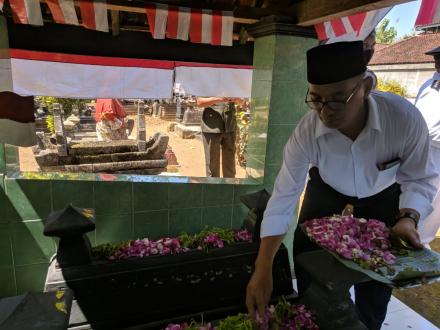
(274, 225)
(416, 201)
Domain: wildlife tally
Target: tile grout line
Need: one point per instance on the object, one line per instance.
(232, 206)
(168, 209)
(14, 274)
(132, 209)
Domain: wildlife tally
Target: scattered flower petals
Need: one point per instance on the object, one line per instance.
(366, 242)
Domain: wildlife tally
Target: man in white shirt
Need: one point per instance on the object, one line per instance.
(361, 147)
(428, 102)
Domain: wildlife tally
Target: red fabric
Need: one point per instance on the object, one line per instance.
(17, 108)
(88, 14)
(19, 13)
(151, 16)
(427, 12)
(216, 34)
(357, 20)
(172, 22)
(195, 26)
(320, 31)
(338, 27)
(91, 60)
(55, 9)
(109, 109)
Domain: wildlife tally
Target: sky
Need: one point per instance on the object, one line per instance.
(403, 17)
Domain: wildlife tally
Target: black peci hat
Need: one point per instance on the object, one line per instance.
(335, 62)
(434, 52)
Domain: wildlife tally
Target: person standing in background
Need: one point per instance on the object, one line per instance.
(428, 103)
(110, 120)
(219, 127)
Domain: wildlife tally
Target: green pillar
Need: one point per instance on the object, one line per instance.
(2, 158)
(279, 86)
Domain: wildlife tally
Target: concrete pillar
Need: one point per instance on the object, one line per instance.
(279, 86)
(141, 129)
(60, 133)
(5, 61)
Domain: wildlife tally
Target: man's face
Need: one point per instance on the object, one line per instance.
(339, 114)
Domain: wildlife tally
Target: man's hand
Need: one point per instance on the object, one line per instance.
(259, 289)
(405, 228)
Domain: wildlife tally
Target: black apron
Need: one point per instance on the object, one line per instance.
(321, 200)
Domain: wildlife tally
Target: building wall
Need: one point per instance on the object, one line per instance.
(412, 76)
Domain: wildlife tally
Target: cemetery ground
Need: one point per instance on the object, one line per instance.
(189, 152)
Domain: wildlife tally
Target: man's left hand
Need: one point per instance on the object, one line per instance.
(406, 230)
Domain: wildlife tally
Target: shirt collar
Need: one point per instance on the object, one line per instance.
(373, 121)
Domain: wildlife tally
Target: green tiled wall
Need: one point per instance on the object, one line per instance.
(124, 210)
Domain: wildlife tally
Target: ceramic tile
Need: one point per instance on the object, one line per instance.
(31, 199)
(278, 135)
(150, 196)
(185, 220)
(185, 195)
(7, 280)
(31, 277)
(113, 228)
(287, 104)
(77, 193)
(217, 216)
(5, 246)
(153, 224)
(217, 194)
(29, 245)
(112, 198)
(239, 213)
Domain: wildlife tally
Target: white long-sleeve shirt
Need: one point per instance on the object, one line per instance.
(428, 102)
(394, 129)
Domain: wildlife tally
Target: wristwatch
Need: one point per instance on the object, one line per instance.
(414, 216)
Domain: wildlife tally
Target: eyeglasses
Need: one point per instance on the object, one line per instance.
(337, 105)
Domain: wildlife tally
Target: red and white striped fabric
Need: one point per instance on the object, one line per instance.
(94, 14)
(157, 19)
(63, 11)
(429, 13)
(80, 76)
(178, 22)
(350, 28)
(213, 27)
(26, 11)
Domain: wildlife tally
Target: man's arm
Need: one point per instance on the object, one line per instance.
(416, 176)
(208, 101)
(278, 216)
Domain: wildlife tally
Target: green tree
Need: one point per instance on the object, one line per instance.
(408, 35)
(67, 104)
(385, 34)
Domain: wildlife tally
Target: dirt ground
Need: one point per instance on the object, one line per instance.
(425, 300)
(189, 152)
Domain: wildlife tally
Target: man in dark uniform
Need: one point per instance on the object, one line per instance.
(219, 129)
(360, 147)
